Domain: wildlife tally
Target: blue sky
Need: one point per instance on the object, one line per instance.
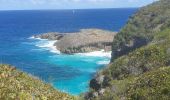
(69, 4)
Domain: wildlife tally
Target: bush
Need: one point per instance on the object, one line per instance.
(140, 61)
(154, 85)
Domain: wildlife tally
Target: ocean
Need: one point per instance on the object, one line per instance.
(67, 73)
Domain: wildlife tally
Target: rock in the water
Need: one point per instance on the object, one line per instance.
(87, 40)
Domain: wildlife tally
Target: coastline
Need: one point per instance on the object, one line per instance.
(50, 46)
(46, 44)
(85, 64)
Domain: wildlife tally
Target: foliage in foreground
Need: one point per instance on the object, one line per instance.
(16, 85)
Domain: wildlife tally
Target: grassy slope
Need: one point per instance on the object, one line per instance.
(16, 85)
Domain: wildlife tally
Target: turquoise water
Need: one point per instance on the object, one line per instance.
(69, 73)
(74, 71)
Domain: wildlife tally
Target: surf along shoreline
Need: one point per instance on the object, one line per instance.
(89, 42)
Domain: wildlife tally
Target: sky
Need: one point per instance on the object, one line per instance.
(70, 4)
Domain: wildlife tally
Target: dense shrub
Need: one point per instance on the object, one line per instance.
(138, 62)
(154, 85)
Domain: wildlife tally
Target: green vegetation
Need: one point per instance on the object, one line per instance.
(125, 70)
(16, 85)
(139, 72)
(137, 62)
(141, 28)
(154, 85)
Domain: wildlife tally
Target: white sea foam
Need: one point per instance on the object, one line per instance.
(49, 45)
(46, 44)
(32, 37)
(103, 62)
(101, 53)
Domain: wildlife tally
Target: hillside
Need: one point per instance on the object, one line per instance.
(141, 64)
(139, 68)
(16, 85)
(141, 28)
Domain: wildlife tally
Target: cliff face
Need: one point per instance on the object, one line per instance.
(140, 60)
(16, 85)
(141, 28)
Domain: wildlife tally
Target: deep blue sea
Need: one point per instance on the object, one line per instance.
(68, 73)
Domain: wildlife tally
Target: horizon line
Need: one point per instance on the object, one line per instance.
(68, 9)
